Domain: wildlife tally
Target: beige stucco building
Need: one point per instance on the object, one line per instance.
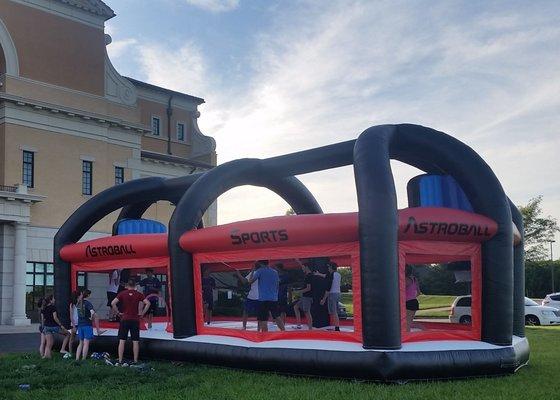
(71, 126)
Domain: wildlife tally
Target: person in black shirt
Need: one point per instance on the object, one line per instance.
(306, 299)
(51, 325)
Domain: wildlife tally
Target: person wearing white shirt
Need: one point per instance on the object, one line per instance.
(112, 290)
(332, 296)
(251, 304)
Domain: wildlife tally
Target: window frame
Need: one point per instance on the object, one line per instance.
(85, 182)
(117, 177)
(181, 123)
(27, 163)
(158, 118)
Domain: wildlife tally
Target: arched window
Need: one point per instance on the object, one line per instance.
(2, 61)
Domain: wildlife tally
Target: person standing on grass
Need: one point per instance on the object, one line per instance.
(41, 304)
(251, 303)
(332, 296)
(72, 327)
(306, 300)
(51, 326)
(268, 295)
(86, 314)
(130, 300)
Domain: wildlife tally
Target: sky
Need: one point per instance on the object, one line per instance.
(284, 76)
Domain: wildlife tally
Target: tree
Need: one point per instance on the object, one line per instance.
(290, 211)
(538, 230)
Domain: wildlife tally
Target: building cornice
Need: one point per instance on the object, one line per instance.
(168, 159)
(66, 10)
(73, 113)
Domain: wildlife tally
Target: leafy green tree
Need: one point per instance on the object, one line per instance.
(538, 230)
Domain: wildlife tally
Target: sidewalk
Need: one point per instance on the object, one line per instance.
(10, 329)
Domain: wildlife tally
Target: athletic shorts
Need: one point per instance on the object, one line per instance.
(153, 306)
(412, 305)
(129, 326)
(51, 330)
(110, 297)
(305, 303)
(266, 307)
(251, 307)
(333, 300)
(85, 332)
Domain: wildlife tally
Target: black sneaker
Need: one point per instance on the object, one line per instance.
(336, 328)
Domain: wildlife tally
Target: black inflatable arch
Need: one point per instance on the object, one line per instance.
(192, 206)
(378, 226)
(96, 208)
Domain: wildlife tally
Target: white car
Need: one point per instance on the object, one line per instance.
(535, 314)
(552, 300)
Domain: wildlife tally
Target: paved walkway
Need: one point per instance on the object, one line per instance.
(19, 342)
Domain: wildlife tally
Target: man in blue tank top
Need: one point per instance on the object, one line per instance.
(268, 281)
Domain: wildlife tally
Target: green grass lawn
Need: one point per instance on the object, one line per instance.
(59, 379)
(428, 304)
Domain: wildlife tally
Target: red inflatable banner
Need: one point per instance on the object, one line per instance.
(422, 223)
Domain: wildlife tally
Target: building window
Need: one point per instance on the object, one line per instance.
(28, 168)
(87, 177)
(180, 131)
(39, 281)
(119, 175)
(156, 125)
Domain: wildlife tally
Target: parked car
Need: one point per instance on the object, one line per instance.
(535, 314)
(552, 300)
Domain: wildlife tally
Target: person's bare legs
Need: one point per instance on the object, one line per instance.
(85, 349)
(121, 349)
(280, 323)
(42, 345)
(65, 344)
(263, 326)
(336, 320)
(71, 340)
(409, 318)
(150, 319)
(309, 320)
(48, 346)
(298, 315)
(244, 317)
(79, 350)
(135, 350)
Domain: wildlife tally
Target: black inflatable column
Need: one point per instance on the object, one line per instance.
(189, 212)
(518, 275)
(378, 227)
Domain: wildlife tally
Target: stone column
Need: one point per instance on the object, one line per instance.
(20, 260)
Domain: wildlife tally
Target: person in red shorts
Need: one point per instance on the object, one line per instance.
(130, 300)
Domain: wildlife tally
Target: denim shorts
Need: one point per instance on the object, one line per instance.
(85, 332)
(51, 330)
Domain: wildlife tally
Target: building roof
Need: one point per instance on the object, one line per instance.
(149, 86)
(96, 7)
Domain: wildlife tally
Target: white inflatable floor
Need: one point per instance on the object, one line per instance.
(158, 332)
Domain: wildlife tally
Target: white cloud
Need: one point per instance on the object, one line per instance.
(214, 5)
(182, 69)
(118, 47)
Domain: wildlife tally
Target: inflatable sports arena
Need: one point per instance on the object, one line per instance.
(458, 219)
